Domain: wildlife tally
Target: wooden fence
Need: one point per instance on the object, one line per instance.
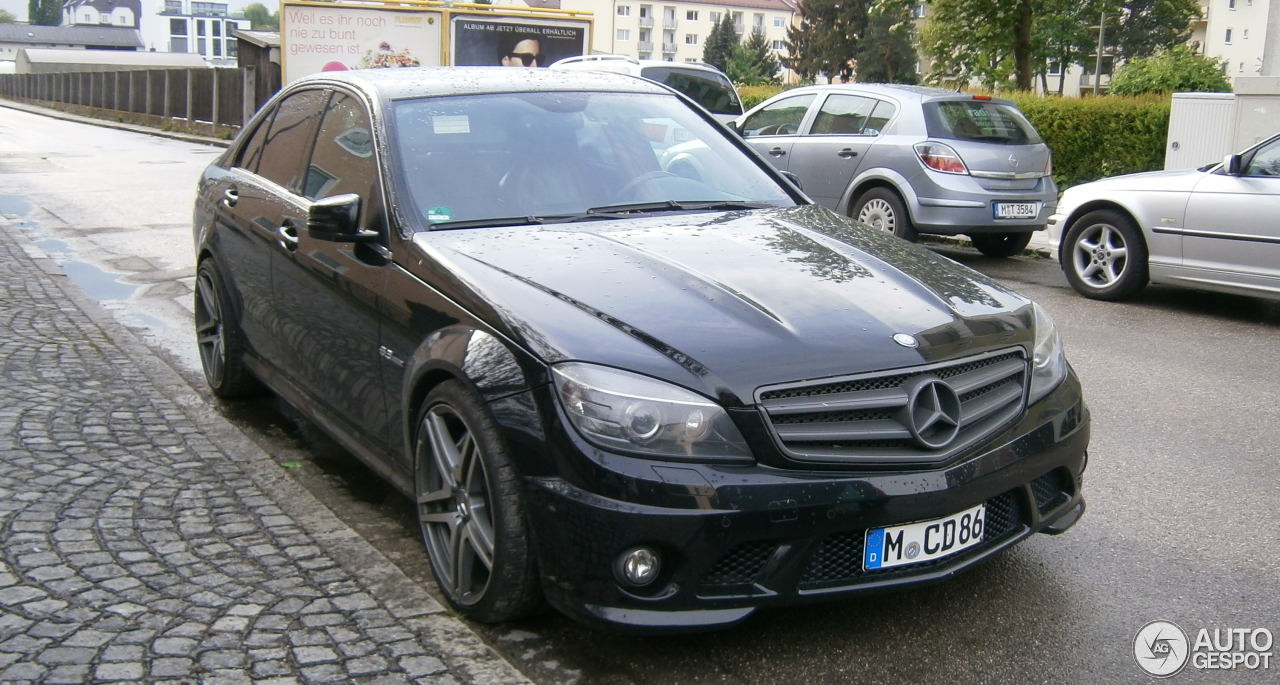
(212, 101)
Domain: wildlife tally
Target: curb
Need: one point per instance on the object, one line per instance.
(119, 125)
(961, 241)
(461, 648)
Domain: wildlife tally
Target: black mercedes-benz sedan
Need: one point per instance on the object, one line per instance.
(621, 364)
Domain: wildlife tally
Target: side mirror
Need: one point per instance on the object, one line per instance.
(336, 219)
(793, 178)
(1231, 165)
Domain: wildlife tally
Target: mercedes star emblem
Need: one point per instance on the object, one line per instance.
(905, 340)
(932, 413)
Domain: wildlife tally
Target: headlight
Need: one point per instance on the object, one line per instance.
(1048, 365)
(624, 411)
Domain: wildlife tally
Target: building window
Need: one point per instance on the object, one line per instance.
(757, 21)
(1231, 4)
(1227, 40)
(173, 6)
(691, 15)
(646, 35)
(88, 19)
(1245, 35)
(1241, 69)
(779, 45)
(217, 28)
(624, 10)
(178, 27)
(121, 20)
(779, 22)
(646, 11)
(690, 39)
(232, 47)
(200, 46)
(918, 11)
(624, 35)
(104, 19)
(178, 44)
(217, 48)
(715, 17)
(200, 28)
(209, 9)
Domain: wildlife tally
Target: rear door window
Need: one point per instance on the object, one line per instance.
(714, 93)
(979, 121)
(843, 115)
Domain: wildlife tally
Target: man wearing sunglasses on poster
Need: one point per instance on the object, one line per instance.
(520, 50)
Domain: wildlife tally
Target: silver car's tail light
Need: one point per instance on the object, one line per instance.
(941, 157)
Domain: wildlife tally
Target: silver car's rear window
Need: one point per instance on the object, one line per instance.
(979, 121)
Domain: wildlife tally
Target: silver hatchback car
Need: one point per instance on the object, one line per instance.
(910, 160)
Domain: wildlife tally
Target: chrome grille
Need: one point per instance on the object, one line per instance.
(865, 418)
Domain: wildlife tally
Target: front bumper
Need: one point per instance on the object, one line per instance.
(734, 539)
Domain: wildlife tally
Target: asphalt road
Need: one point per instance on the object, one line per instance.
(1183, 482)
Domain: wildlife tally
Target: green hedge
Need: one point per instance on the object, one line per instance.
(1091, 138)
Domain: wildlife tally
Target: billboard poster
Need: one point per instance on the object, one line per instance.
(343, 37)
(483, 42)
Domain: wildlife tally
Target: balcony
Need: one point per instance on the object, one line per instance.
(668, 48)
(645, 46)
(669, 22)
(646, 22)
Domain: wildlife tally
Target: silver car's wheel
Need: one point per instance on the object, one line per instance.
(879, 215)
(1104, 256)
(454, 506)
(471, 510)
(881, 209)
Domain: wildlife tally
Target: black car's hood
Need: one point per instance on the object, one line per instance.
(728, 302)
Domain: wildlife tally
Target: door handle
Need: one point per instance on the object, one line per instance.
(777, 152)
(288, 236)
(230, 197)
(847, 153)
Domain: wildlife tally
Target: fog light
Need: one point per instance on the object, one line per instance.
(638, 566)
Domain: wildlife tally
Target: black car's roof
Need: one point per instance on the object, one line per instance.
(414, 82)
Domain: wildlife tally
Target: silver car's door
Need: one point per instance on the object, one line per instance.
(835, 143)
(1232, 227)
(773, 129)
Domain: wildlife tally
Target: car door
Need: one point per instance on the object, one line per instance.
(255, 201)
(828, 155)
(327, 293)
(1231, 224)
(773, 129)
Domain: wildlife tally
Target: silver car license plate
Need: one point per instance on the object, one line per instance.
(1017, 210)
(923, 541)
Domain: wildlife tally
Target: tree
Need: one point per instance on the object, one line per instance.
(1178, 68)
(753, 62)
(721, 43)
(826, 41)
(886, 53)
(6, 17)
(44, 12)
(261, 18)
(987, 40)
(1149, 26)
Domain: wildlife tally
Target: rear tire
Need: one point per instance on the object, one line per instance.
(881, 209)
(1001, 244)
(1104, 256)
(471, 510)
(218, 336)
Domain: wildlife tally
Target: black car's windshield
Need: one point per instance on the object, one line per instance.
(534, 155)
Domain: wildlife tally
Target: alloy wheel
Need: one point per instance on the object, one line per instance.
(454, 505)
(878, 214)
(210, 334)
(1100, 255)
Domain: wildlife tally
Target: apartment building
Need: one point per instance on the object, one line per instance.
(676, 31)
(194, 26)
(1245, 33)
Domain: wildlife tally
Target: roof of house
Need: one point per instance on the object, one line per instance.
(106, 36)
(158, 60)
(107, 5)
(262, 39)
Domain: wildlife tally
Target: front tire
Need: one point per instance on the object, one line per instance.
(471, 509)
(218, 336)
(1104, 256)
(1001, 244)
(882, 209)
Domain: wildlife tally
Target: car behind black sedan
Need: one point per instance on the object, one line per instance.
(657, 399)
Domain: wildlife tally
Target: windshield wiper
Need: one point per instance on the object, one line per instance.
(673, 206)
(485, 223)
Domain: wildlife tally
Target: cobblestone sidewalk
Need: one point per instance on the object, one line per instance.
(143, 543)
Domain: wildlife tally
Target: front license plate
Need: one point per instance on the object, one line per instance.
(1017, 210)
(925, 540)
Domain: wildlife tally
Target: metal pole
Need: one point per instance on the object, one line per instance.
(214, 118)
(1097, 70)
(190, 117)
(250, 93)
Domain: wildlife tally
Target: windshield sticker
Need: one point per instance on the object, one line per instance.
(451, 124)
(438, 214)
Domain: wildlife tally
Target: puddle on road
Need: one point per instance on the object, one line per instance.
(15, 204)
(52, 246)
(96, 283)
